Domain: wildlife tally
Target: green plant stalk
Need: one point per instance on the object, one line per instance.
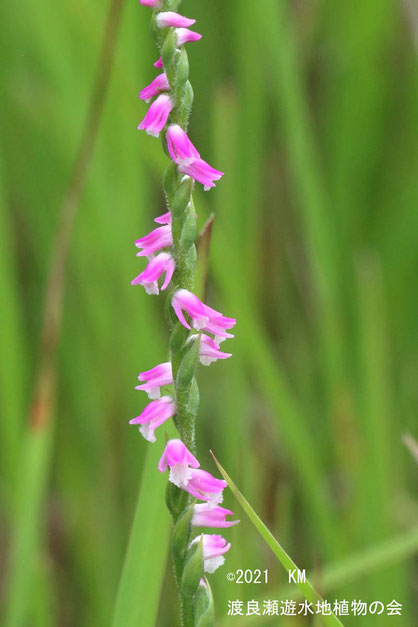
(183, 355)
(288, 564)
(272, 19)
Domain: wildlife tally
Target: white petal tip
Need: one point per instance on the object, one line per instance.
(147, 434)
(213, 563)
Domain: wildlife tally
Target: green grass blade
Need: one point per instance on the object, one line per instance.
(31, 493)
(355, 567)
(275, 385)
(275, 25)
(286, 561)
(13, 365)
(145, 560)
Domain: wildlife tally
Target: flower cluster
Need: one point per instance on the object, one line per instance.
(202, 318)
(204, 328)
(181, 149)
(186, 474)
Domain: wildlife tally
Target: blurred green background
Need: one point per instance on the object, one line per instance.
(310, 108)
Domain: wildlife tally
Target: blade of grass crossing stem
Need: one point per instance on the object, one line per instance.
(286, 561)
(146, 556)
(30, 496)
(354, 567)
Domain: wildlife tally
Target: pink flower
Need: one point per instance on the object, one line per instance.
(160, 83)
(209, 350)
(202, 172)
(178, 458)
(164, 219)
(157, 115)
(159, 238)
(205, 516)
(159, 63)
(149, 3)
(203, 486)
(155, 379)
(179, 146)
(184, 153)
(154, 414)
(163, 262)
(214, 547)
(203, 318)
(167, 19)
(185, 36)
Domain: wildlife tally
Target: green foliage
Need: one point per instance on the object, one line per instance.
(138, 595)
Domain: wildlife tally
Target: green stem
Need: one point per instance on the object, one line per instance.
(178, 190)
(187, 612)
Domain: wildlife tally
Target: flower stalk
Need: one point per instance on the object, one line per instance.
(171, 252)
(178, 190)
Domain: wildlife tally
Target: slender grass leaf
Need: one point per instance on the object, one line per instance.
(286, 561)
